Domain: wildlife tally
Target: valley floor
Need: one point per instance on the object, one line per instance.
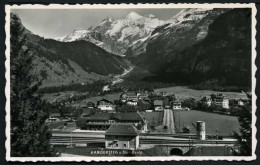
(185, 92)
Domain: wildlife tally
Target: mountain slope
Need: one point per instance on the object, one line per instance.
(71, 62)
(117, 35)
(216, 46)
(185, 29)
(87, 55)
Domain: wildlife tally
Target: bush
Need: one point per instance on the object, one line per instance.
(190, 103)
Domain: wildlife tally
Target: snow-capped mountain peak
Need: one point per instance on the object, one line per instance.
(150, 16)
(133, 16)
(116, 35)
(75, 35)
(189, 14)
(108, 19)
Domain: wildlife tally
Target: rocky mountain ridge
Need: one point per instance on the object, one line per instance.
(116, 36)
(195, 46)
(202, 46)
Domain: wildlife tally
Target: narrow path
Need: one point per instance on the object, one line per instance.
(168, 120)
(54, 100)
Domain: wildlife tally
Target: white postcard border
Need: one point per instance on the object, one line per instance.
(125, 6)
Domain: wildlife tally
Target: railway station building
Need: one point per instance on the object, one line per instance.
(102, 121)
(122, 136)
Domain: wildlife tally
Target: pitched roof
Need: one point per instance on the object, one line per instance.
(87, 111)
(122, 129)
(57, 114)
(158, 102)
(104, 100)
(131, 94)
(127, 116)
(100, 116)
(176, 101)
(90, 103)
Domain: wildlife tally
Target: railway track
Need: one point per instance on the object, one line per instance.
(67, 140)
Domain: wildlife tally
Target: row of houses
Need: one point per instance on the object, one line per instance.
(221, 100)
(103, 104)
(132, 98)
(159, 105)
(217, 99)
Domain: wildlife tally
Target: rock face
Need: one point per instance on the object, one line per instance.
(185, 29)
(200, 45)
(116, 36)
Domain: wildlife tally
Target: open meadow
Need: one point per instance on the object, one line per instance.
(153, 118)
(224, 124)
(185, 92)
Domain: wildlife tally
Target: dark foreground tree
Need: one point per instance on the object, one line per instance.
(29, 134)
(244, 137)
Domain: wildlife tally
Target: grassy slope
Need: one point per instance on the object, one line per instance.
(59, 74)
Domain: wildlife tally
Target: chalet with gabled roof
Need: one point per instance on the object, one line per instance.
(207, 100)
(90, 104)
(122, 136)
(106, 105)
(176, 104)
(158, 105)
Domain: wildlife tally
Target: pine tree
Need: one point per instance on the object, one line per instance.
(29, 134)
(244, 137)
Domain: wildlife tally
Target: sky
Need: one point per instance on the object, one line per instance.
(53, 23)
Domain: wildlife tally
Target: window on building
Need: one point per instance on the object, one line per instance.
(124, 145)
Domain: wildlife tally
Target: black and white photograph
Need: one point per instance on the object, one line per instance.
(127, 82)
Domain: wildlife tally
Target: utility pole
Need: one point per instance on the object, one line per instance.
(189, 142)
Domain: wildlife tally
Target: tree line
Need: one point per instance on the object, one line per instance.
(30, 136)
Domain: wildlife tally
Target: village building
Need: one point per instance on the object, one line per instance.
(176, 105)
(146, 101)
(186, 129)
(106, 105)
(207, 100)
(102, 121)
(133, 96)
(132, 102)
(123, 100)
(90, 104)
(123, 96)
(240, 102)
(122, 136)
(142, 95)
(55, 115)
(163, 94)
(221, 100)
(158, 105)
